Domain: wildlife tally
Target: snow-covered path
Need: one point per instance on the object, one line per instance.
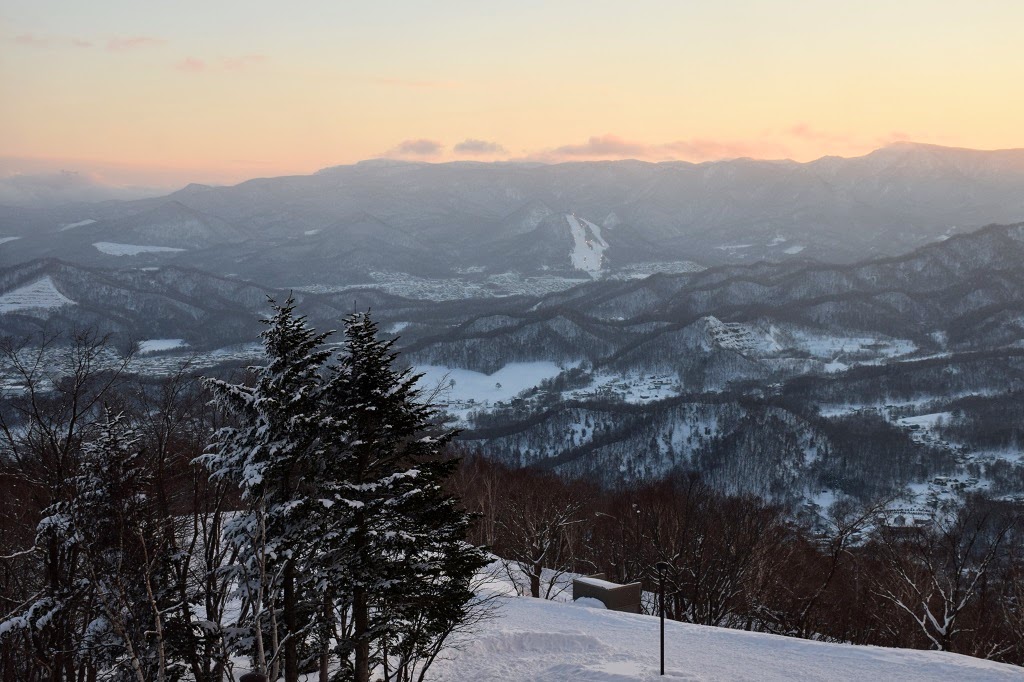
(546, 641)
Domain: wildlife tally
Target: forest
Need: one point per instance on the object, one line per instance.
(313, 515)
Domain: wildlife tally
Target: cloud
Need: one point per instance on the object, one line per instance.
(611, 146)
(133, 42)
(191, 65)
(848, 143)
(60, 187)
(33, 40)
(35, 178)
(115, 44)
(475, 147)
(242, 62)
(603, 145)
(420, 147)
(417, 84)
(197, 65)
(805, 131)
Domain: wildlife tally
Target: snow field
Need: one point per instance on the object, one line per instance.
(156, 345)
(514, 378)
(39, 295)
(547, 641)
(588, 245)
(4, 240)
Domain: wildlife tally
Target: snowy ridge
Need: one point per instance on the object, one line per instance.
(588, 245)
(116, 249)
(39, 295)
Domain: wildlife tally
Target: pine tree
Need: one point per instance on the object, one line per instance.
(271, 455)
(347, 526)
(400, 549)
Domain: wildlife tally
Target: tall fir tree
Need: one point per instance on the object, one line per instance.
(400, 547)
(272, 456)
(348, 527)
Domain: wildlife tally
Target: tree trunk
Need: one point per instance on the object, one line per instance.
(361, 627)
(291, 625)
(325, 645)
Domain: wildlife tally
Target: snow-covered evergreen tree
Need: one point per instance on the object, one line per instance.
(399, 547)
(107, 533)
(272, 456)
(348, 534)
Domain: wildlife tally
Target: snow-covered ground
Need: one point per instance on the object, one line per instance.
(116, 249)
(39, 295)
(763, 339)
(793, 250)
(454, 288)
(630, 388)
(875, 348)
(463, 390)
(588, 245)
(4, 240)
(506, 383)
(156, 345)
(547, 641)
(642, 270)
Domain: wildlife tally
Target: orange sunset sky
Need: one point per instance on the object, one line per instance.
(135, 92)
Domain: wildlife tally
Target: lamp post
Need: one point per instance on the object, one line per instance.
(662, 566)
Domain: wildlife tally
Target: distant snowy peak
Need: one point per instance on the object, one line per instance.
(588, 246)
(41, 294)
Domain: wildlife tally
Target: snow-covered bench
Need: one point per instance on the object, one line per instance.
(615, 597)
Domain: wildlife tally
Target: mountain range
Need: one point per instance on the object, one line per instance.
(798, 331)
(361, 223)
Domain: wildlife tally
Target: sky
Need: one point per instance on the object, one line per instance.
(147, 93)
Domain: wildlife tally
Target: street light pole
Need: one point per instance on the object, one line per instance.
(662, 566)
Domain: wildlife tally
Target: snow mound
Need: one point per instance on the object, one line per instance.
(115, 249)
(39, 295)
(590, 603)
(546, 641)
